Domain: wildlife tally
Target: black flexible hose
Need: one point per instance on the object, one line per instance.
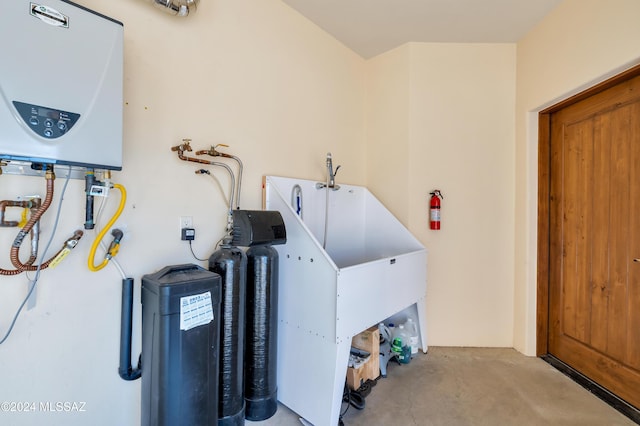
(126, 371)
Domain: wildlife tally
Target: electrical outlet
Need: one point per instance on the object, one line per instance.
(186, 222)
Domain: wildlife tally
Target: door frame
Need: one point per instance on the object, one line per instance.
(544, 163)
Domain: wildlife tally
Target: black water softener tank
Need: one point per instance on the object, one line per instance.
(259, 229)
(180, 332)
(231, 264)
(261, 347)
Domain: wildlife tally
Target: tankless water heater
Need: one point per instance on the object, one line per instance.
(60, 85)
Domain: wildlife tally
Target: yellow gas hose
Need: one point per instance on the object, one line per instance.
(96, 243)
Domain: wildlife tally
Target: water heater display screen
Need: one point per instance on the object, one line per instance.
(48, 113)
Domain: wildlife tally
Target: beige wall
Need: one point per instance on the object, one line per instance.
(446, 121)
(251, 74)
(259, 77)
(579, 44)
(388, 96)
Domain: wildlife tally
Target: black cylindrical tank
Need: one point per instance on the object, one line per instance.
(231, 264)
(261, 333)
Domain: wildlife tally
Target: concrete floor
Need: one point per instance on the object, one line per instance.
(473, 386)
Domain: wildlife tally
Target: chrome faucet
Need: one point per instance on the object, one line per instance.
(331, 176)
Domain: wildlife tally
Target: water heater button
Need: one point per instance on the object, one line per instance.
(48, 123)
(34, 121)
(48, 133)
(62, 125)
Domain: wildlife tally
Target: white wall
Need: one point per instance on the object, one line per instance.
(254, 75)
(577, 45)
(448, 124)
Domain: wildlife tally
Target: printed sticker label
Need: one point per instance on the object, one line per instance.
(195, 310)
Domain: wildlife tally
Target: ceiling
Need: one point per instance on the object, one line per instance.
(371, 27)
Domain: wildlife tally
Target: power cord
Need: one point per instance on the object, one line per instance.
(44, 254)
(356, 398)
(346, 397)
(194, 255)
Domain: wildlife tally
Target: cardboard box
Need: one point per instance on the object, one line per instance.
(368, 340)
(356, 376)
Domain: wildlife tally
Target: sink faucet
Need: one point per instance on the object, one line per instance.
(331, 175)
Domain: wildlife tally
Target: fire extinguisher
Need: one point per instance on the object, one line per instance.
(434, 209)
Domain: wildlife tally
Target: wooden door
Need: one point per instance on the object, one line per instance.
(594, 237)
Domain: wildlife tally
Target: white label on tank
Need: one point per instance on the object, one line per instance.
(195, 310)
(49, 15)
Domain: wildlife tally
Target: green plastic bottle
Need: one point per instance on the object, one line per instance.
(401, 346)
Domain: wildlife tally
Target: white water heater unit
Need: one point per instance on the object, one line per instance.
(60, 85)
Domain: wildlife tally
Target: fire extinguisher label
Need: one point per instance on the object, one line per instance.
(435, 215)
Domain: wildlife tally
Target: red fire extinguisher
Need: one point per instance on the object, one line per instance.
(434, 209)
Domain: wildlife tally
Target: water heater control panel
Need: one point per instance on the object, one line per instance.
(46, 122)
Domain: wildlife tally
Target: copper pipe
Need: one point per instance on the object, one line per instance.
(9, 271)
(33, 220)
(70, 243)
(30, 204)
(3, 207)
(33, 205)
(17, 243)
(193, 160)
(186, 146)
